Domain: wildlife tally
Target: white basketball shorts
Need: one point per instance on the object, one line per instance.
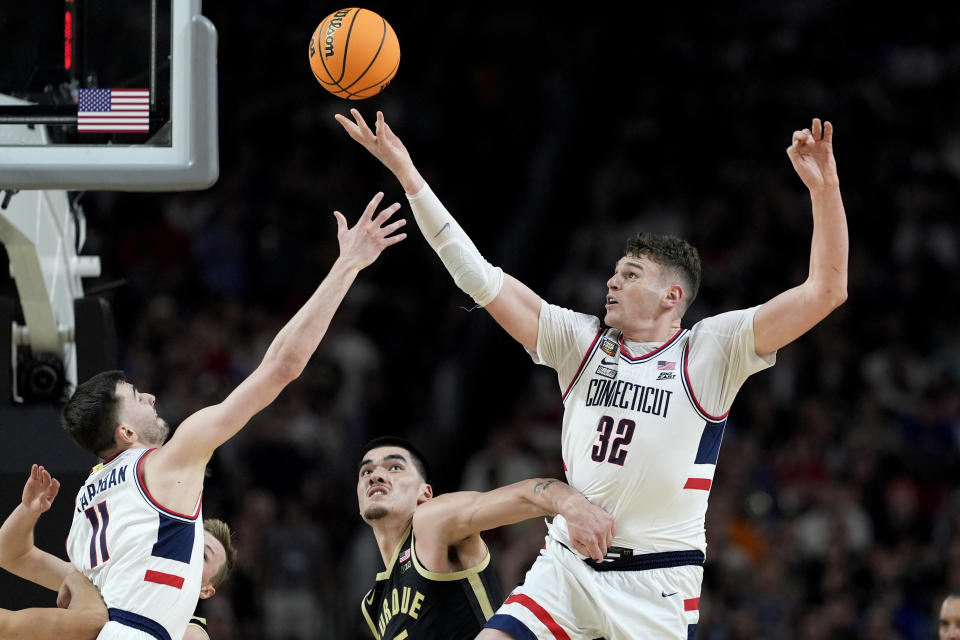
(644, 596)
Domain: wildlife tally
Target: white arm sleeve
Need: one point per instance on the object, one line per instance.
(471, 272)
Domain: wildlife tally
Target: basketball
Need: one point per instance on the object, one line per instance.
(354, 53)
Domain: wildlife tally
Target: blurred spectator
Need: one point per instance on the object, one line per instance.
(949, 622)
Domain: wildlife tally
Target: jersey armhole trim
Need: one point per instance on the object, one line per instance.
(688, 387)
(586, 358)
(366, 616)
(152, 501)
(449, 577)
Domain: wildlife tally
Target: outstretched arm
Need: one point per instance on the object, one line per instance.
(511, 303)
(453, 518)
(45, 623)
(81, 617)
(174, 474)
(18, 555)
(795, 311)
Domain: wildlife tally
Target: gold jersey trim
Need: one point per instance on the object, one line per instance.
(383, 575)
(471, 574)
(366, 616)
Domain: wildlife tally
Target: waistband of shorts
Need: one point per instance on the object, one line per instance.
(137, 621)
(621, 559)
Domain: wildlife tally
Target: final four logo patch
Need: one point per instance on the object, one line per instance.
(608, 346)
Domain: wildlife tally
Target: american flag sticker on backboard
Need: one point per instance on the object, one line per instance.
(113, 111)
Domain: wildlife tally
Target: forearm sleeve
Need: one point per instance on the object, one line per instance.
(471, 272)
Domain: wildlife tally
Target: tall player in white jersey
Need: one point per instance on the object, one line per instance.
(645, 400)
(137, 530)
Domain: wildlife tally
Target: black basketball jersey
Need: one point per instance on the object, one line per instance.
(408, 601)
(200, 623)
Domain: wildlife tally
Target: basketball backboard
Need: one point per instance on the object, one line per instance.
(53, 52)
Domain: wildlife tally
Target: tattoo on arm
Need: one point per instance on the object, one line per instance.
(540, 487)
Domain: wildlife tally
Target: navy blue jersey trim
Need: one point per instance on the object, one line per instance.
(509, 624)
(145, 494)
(709, 450)
(175, 539)
(136, 621)
(583, 364)
(688, 388)
(647, 561)
(658, 351)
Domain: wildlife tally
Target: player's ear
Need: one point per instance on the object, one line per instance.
(123, 434)
(673, 296)
(426, 492)
(207, 591)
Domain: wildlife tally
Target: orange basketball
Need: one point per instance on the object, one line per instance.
(354, 53)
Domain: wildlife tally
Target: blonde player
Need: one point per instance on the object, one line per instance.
(219, 559)
(137, 523)
(645, 400)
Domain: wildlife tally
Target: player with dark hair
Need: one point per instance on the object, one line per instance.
(437, 582)
(82, 613)
(645, 400)
(137, 531)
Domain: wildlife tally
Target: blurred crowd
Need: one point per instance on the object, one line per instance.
(835, 512)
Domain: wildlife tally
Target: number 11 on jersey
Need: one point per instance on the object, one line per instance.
(99, 518)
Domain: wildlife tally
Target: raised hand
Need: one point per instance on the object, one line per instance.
(40, 490)
(364, 243)
(384, 144)
(811, 153)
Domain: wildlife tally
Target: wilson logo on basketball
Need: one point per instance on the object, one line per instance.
(335, 23)
(354, 53)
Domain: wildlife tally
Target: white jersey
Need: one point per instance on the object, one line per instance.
(643, 422)
(146, 560)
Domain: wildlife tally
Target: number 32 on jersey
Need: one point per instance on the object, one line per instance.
(617, 447)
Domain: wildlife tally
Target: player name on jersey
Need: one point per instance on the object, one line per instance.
(91, 490)
(626, 395)
(400, 602)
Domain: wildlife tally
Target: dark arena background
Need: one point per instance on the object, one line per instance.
(552, 135)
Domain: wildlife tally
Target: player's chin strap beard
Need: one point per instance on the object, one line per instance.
(375, 512)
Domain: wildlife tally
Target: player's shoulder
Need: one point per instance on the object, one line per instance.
(196, 629)
(557, 314)
(725, 320)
